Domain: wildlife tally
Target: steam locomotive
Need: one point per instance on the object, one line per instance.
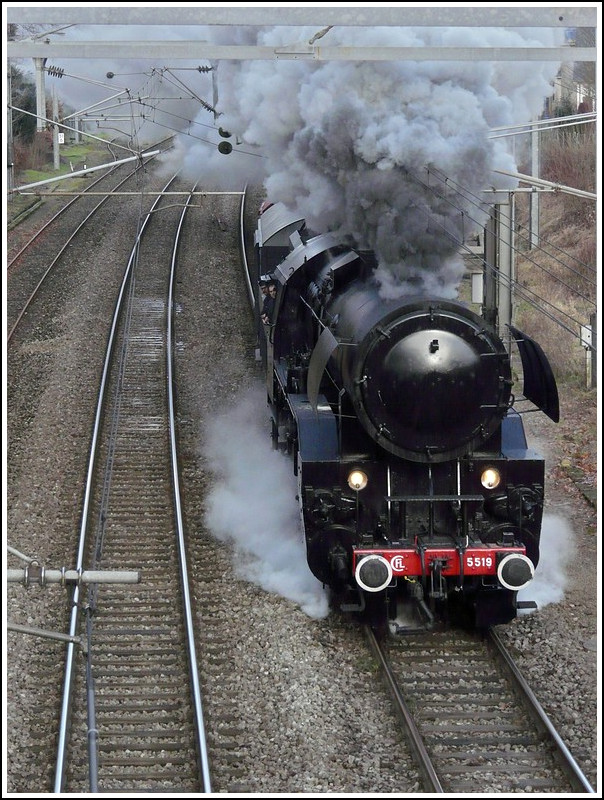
(420, 501)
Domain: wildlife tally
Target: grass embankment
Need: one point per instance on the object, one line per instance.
(73, 157)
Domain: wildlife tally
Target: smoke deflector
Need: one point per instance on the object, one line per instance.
(539, 382)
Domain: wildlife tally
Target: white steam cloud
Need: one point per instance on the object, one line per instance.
(551, 575)
(359, 148)
(378, 151)
(253, 506)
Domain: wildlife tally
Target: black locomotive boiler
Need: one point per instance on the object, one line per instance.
(420, 500)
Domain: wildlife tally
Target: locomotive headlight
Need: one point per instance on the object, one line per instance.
(357, 480)
(490, 478)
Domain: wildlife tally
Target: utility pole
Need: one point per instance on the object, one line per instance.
(498, 307)
(534, 203)
(40, 94)
(214, 65)
(55, 129)
(506, 267)
(10, 177)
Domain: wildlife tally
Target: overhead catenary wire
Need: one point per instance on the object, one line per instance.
(559, 261)
(569, 88)
(551, 127)
(458, 242)
(199, 139)
(154, 120)
(472, 198)
(179, 117)
(475, 200)
(528, 127)
(193, 94)
(524, 292)
(69, 128)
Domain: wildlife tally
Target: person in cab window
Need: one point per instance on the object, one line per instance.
(269, 304)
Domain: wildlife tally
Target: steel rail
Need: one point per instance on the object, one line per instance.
(93, 211)
(242, 247)
(415, 738)
(180, 536)
(560, 753)
(76, 195)
(567, 763)
(65, 713)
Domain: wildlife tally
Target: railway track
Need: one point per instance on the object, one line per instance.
(238, 663)
(141, 732)
(135, 711)
(58, 235)
(473, 723)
